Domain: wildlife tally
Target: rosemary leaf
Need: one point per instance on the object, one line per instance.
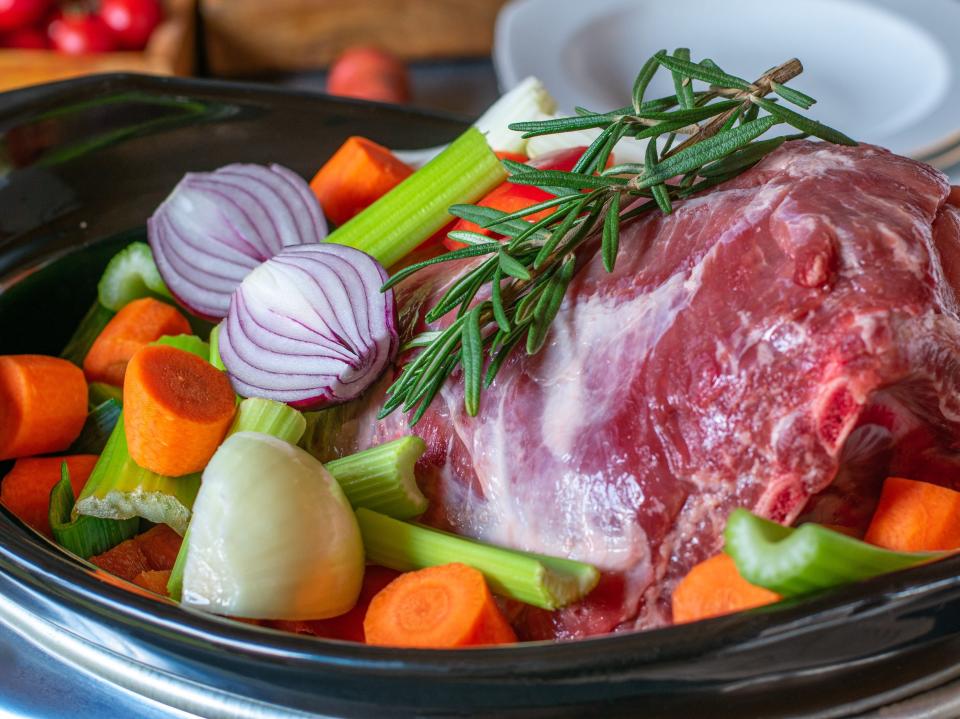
(471, 238)
(511, 266)
(681, 84)
(489, 217)
(742, 159)
(560, 124)
(610, 244)
(660, 192)
(692, 115)
(471, 347)
(804, 124)
(421, 340)
(559, 178)
(548, 306)
(473, 251)
(795, 96)
(703, 73)
(496, 300)
(520, 214)
(494, 367)
(559, 233)
(432, 390)
(462, 290)
(585, 163)
(644, 77)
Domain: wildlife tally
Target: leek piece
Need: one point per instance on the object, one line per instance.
(798, 561)
(97, 429)
(130, 275)
(84, 536)
(187, 343)
(118, 488)
(99, 392)
(214, 357)
(546, 582)
(87, 331)
(416, 208)
(267, 416)
(381, 478)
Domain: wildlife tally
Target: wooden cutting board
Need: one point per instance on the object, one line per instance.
(251, 36)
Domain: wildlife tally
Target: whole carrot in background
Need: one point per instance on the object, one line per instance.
(368, 73)
(25, 490)
(134, 326)
(43, 404)
(177, 409)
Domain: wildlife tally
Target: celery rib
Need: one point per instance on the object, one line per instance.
(394, 225)
(214, 356)
(130, 275)
(381, 478)
(269, 417)
(546, 582)
(84, 536)
(188, 343)
(97, 429)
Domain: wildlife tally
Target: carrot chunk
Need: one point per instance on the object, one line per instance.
(160, 545)
(43, 405)
(713, 588)
(357, 175)
(154, 580)
(177, 409)
(153, 551)
(915, 517)
(134, 326)
(439, 607)
(126, 560)
(26, 488)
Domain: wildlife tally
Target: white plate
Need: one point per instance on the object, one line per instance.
(883, 71)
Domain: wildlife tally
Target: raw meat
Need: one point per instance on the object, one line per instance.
(724, 363)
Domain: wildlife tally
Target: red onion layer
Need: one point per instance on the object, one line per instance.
(215, 227)
(310, 327)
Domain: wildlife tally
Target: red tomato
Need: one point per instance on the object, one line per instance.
(508, 197)
(132, 21)
(16, 14)
(74, 34)
(369, 74)
(25, 38)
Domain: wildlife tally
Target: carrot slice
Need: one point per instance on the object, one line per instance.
(154, 580)
(357, 175)
(160, 545)
(177, 409)
(126, 560)
(713, 588)
(153, 551)
(26, 488)
(43, 405)
(134, 326)
(915, 517)
(439, 607)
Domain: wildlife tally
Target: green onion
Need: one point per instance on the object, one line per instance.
(546, 582)
(97, 429)
(87, 331)
(215, 349)
(381, 478)
(118, 488)
(84, 536)
(187, 343)
(797, 561)
(416, 208)
(99, 392)
(269, 417)
(130, 275)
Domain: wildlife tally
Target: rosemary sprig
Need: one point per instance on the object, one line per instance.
(529, 272)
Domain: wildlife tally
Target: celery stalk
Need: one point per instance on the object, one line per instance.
(118, 488)
(547, 582)
(416, 208)
(99, 392)
(187, 343)
(84, 536)
(175, 582)
(130, 275)
(214, 356)
(97, 429)
(381, 478)
(797, 561)
(269, 417)
(87, 331)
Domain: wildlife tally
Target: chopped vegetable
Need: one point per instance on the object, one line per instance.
(214, 357)
(188, 343)
(441, 607)
(97, 429)
(43, 405)
(797, 561)
(310, 327)
(547, 582)
(160, 545)
(528, 99)
(369, 73)
(133, 327)
(268, 417)
(119, 488)
(84, 536)
(131, 275)
(153, 580)
(87, 331)
(148, 552)
(178, 408)
(381, 478)
(272, 535)
(25, 490)
(416, 208)
(713, 588)
(175, 580)
(915, 517)
(215, 227)
(357, 175)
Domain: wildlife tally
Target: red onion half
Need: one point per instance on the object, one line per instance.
(215, 227)
(310, 327)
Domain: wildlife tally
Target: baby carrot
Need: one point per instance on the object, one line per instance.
(439, 607)
(915, 517)
(43, 404)
(25, 490)
(177, 409)
(134, 326)
(715, 587)
(359, 173)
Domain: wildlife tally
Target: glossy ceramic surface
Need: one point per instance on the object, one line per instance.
(82, 164)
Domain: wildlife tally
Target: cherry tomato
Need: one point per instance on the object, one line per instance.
(16, 14)
(369, 74)
(132, 21)
(25, 38)
(74, 34)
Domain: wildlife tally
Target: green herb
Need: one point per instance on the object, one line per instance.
(528, 276)
(86, 333)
